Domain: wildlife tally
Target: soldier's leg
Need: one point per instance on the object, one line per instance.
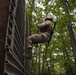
(34, 39)
(30, 40)
(39, 38)
(29, 43)
(28, 55)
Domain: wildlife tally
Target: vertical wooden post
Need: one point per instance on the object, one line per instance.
(4, 9)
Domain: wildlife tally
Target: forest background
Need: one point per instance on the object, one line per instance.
(59, 58)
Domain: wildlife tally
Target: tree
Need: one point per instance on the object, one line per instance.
(58, 59)
(69, 26)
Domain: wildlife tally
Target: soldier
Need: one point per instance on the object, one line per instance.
(42, 37)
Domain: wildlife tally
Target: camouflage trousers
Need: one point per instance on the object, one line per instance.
(37, 38)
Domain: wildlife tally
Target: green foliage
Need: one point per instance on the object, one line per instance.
(59, 51)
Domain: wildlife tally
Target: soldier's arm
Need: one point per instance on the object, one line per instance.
(45, 24)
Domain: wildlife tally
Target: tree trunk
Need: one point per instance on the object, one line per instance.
(39, 60)
(69, 26)
(43, 64)
(30, 26)
(70, 29)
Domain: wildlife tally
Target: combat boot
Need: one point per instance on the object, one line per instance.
(28, 55)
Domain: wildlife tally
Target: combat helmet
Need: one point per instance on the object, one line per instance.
(48, 18)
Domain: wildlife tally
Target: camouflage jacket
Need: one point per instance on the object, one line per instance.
(45, 27)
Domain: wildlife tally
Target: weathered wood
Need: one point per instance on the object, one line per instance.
(4, 9)
(13, 32)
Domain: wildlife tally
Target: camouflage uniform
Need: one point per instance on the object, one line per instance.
(43, 36)
(45, 29)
